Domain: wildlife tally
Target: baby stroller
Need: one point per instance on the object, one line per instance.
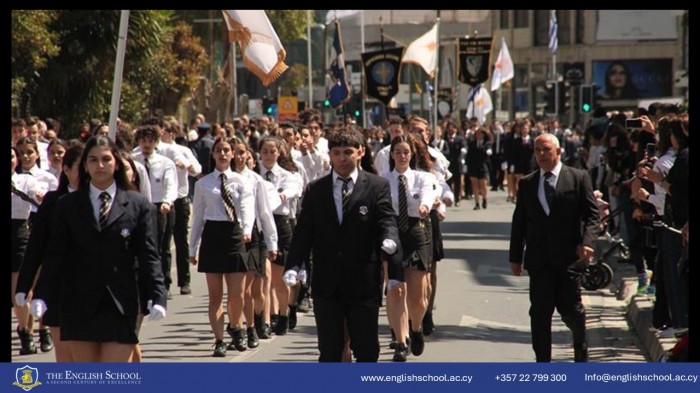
(599, 274)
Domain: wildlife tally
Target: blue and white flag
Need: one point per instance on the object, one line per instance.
(553, 28)
(340, 91)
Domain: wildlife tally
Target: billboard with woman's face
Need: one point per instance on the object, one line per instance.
(633, 79)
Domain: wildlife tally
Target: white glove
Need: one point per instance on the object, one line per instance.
(37, 308)
(389, 246)
(301, 276)
(157, 313)
(20, 299)
(290, 278)
(391, 284)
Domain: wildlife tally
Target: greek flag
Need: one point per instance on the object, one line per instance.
(340, 91)
(553, 41)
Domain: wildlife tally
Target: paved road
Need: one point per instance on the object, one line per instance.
(481, 311)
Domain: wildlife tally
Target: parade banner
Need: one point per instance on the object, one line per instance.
(347, 377)
(382, 70)
(474, 60)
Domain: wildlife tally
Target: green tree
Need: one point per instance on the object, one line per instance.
(288, 24)
(293, 78)
(33, 44)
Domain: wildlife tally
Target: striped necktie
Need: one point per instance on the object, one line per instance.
(403, 205)
(268, 176)
(104, 209)
(549, 191)
(228, 200)
(23, 196)
(147, 165)
(345, 192)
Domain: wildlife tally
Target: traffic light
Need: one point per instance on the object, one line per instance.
(564, 97)
(267, 105)
(357, 113)
(549, 97)
(587, 97)
(327, 103)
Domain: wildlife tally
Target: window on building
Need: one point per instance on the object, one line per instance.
(542, 27)
(521, 18)
(521, 76)
(504, 19)
(580, 26)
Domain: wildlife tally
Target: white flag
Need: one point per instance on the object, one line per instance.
(263, 53)
(479, 104)
(423, 51)
(504, 70)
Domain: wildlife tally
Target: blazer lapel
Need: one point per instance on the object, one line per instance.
(563, 184)
(85, 208)
(357, 190)
(118, 207)
(536, 187)
(328, 185)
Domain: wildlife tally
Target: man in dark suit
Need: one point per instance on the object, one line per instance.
(346, 221)
(556, 217)
(202, 147)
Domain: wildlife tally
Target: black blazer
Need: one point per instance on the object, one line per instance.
(38, 242)
(346, 258)
(202, 150)
(573, 220)
(477, 159)
(92, 263)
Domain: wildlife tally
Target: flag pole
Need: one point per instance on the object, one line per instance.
(437, 73)
(118, 71)
(554, 46)
(310, 100)
(234, 79)
(363, 82)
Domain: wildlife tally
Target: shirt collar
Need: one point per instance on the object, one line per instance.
(218, 173)
(353, 175)
(95, 192)
(554, 171)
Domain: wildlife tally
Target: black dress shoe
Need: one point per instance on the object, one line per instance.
(292, 317)
(219, 349)
(282, 325)
(581, 353)
(45, 340)
(417, 343)
(26, 340)
(483, 204)
(400, 353)
(428, 325)
(265, 332)
(273, 320)
(239, 342)
(253, 341)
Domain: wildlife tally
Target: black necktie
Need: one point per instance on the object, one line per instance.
(403, 205)
(549, 189)
(268, 176)
(147, 165)
(228, 200)
(345, 192)
(23, 196)
(104, 208)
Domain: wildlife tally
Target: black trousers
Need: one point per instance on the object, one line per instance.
(497, 173)
(455, 183)
(180, 234)
(552, 288)
(164, 226)
(362, 318)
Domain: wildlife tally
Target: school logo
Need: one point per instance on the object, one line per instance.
(27, 378)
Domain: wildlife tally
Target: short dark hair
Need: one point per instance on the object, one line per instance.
(147, 132)
(345, 136)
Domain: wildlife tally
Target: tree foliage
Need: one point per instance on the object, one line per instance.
(295, 77)
(288, 24)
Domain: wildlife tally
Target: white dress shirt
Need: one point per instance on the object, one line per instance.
(266, 200)
(540, 186)
(338, 191)
(662, 165)
(208, 205)
(381, 161)
(162, 177)
(285, 183)
(28, 185)
(420, 190)
(183, 185)
(47, 182)
(97, 202)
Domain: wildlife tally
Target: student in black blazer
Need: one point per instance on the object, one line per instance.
(556, 217)
(97, 234)
(346, 246)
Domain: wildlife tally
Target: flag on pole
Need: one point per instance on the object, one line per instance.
(332, 15)
(479, 104)
(262, 50)
(339, 92)
(504, 70)
(553, 28)
(423, 52)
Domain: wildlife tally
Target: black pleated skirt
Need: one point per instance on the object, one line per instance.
(222, 249)
(416, 242)
(284, 238)
(106, 325)
(19, 233)
(256, 252)
(438, 248)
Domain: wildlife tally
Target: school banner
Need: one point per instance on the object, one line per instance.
(382, 69)
(474, 60)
